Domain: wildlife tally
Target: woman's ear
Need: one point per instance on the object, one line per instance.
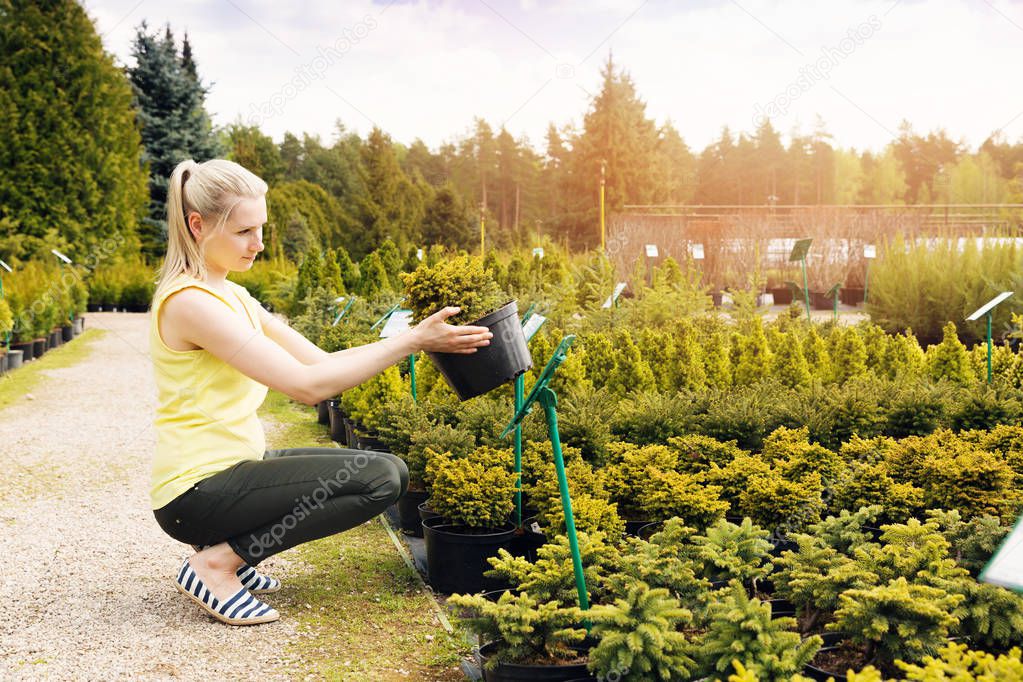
(195, 225)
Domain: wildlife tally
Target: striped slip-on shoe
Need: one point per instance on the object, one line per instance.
(257, 583)
(240, 609)
(252, 580)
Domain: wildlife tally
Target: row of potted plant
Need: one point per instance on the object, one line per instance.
(686, 604)
(40, 309)
(456, 458)
(125, 285)
(14, 355)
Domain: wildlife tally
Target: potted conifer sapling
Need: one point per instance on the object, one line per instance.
(464, 282)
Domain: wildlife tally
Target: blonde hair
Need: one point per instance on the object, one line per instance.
(212, 189)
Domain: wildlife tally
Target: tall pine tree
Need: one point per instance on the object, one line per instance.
(174, 122)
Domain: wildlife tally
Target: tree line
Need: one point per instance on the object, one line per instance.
(89, 146)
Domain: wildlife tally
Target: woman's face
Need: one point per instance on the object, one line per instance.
(233, 248)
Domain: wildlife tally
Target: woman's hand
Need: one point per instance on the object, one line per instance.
(434, 334)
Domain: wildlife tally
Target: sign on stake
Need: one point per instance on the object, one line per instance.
(985, 310)
(613, 298)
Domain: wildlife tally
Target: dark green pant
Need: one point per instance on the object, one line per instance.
(262, 507)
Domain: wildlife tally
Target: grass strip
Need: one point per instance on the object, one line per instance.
(360, 612)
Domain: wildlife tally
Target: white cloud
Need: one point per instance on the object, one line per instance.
(428, 68)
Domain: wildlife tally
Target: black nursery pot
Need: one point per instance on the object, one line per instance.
(67, 333)
(528, 543)
(351, 440)
(371, 443)
(27, 349)
(336, 419)
(815, 673)
(506, 357)
(39, 347)
(322, 413)
(457, 558)
(425, 513)
(408, 512)
(515, 672)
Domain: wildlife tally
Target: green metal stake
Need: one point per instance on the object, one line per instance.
(520, 390)
(344, 311)
(520, 393)
(989, 347)
(542, 393)
(833, 292)
(799, 251)
(412, 376)
(549, 402)
(987, 310)
(387, 314)
(806, 289)
(866, 283)
(411, 358)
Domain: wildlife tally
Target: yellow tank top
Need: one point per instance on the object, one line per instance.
(206, 409)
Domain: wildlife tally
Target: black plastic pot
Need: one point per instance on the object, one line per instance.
(39, 347)
(3, 363)
(336, 419)
(526, 543)
(506, 357)
(456, 556)
(56, 339)
(322, 413)
(646, 530)
(781, 608)
(351, 439)
(815, 673)
(93, 307)
(27, 349)
(408, 512)
(514, 672)
(632, 527)
(371, 443)
(779, 546)
(763, 586)
(833, 639)
(67, 332)
(425, 513)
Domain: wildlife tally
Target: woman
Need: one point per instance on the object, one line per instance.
(215, 351)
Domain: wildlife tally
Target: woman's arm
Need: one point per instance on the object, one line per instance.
(202, 321)
(290, 340)
(294, 342)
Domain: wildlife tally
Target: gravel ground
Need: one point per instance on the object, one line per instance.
(86, 573)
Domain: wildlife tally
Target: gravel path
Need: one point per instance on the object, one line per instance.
(86, 573)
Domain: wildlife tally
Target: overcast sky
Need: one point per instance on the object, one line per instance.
(425, 68)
